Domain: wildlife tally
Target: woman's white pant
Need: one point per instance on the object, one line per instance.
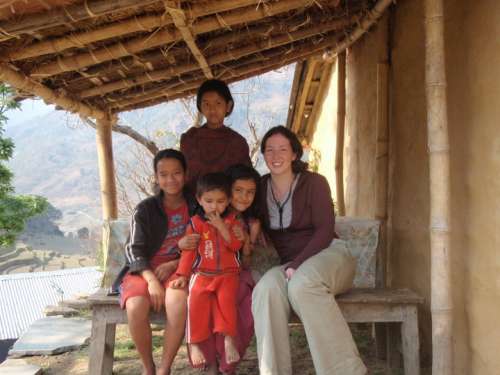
(310, 293)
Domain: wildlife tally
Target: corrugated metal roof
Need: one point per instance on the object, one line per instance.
(24, 296)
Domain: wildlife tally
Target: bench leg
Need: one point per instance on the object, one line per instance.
(393, 348)
(380, 340)
(102, 344)
(410, 341)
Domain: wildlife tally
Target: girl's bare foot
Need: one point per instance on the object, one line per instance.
(212, 369)
(163, 371)
(232, 354)
(197, 356)
(149, 370)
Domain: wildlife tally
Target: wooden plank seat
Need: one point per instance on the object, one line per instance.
(398, 307)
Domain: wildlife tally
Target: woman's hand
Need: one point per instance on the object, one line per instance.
(163, 271)
(289, 273)
(157, 293)
(189, 241)
(178, 283)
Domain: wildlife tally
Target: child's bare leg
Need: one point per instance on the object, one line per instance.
(232, 354)
(176, 310)
(197, 356)
(140, 330)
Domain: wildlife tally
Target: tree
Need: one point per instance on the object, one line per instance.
(14, 209)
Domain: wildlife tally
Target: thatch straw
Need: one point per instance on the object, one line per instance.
(65, 15)
(219, 58)
(129, 26)
(162, 37)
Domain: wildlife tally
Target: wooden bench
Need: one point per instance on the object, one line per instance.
(397, 307)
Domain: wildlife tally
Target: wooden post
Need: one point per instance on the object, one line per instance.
(106, 168)
(339, 151)
(439, 176)
(381, 178)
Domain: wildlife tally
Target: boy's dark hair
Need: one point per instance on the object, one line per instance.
(213, 181)
(218, 86)
(244, 172)
(297, 165)
(169, 153)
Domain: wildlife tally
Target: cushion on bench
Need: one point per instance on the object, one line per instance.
(361, 236)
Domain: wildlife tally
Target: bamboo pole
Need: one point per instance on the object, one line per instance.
(339, 149)
(439, 175)
(219, 58)
(64, 15)
(106, 167)
(162, 37)
(117, 29)
(179, 18)
(23, 83)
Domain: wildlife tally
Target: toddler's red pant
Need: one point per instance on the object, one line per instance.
(212, 299)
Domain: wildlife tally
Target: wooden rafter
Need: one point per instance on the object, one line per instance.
(64, 15)
(162, 37)
(129, 26)
(24, 83)
(179, 19)
(219, 58)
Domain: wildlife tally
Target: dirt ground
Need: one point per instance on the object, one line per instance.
(127, 363)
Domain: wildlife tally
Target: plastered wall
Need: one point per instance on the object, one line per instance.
(472, 37)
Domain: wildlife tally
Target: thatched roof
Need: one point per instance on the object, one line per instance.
(108, 56)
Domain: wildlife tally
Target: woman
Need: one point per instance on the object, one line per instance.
(299, 219)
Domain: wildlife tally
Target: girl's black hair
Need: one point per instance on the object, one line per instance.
(218, 86)
(213, 181)
(169, 153)
(297, 165)
(244, 172)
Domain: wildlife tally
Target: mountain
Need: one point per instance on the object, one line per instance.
(55, 154)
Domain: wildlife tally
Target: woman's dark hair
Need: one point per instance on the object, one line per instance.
(297, 165)
(218, 86)
(169, 153)
(244, 172)
(213, 181)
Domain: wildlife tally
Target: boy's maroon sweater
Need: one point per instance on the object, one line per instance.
(212, 150)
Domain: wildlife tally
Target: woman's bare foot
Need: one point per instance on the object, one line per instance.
(197, 356)
(232, 354)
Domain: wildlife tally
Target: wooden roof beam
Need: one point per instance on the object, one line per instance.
(163, 37)
(64, 15)
(219, 58)
(179, 18)
(21, 82)
(131, 25)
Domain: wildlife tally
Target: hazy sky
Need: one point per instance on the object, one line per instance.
(29, 109)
